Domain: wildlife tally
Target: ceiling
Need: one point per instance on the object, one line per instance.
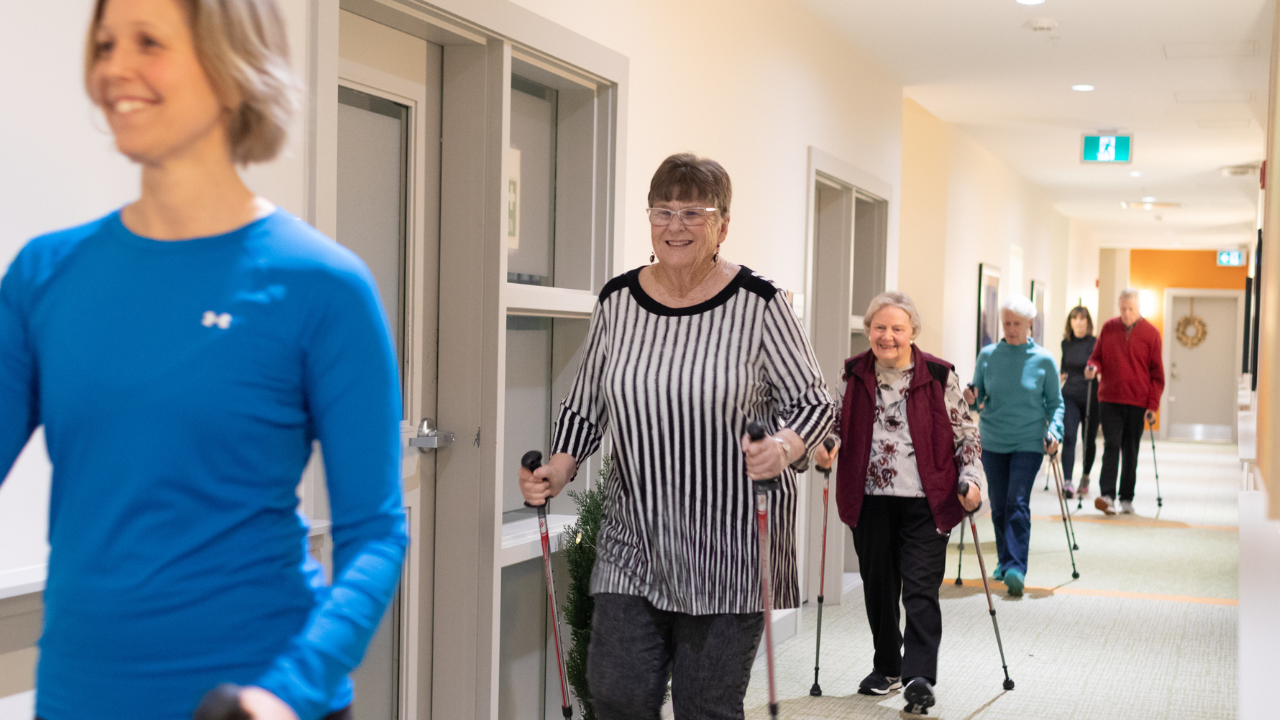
(1188, 79)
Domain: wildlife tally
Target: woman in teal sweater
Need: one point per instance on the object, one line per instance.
(1015, 385)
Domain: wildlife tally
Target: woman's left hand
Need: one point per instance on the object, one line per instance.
(264, 705)
(971, 501)
(1051, 446)
(765, 459)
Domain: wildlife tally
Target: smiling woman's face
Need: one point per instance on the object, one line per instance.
(682, 247)
(890, 336)
(148, 81)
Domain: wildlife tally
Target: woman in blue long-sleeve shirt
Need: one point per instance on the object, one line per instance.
(1015, 384)
(182, 354)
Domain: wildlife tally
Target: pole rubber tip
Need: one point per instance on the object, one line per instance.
(1008, 684)
(815, 691)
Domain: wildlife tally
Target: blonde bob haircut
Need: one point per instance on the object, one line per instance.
(243, 49)
(893, 299)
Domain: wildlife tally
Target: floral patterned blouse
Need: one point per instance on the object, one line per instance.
(892, 470)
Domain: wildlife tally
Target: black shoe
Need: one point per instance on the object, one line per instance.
(877, 683)
(919, 696)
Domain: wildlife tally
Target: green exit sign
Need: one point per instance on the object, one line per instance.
(1107, 148)
(1230, 258)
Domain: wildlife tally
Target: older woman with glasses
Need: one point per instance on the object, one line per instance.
(1015, 386)
(907, 439)
(681, 356)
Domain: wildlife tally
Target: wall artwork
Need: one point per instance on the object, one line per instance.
(1039, 291)
(988, 305)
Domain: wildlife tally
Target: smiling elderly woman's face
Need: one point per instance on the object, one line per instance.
(890, 336)
(691, 237)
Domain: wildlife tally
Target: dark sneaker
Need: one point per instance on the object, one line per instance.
(919, 696)
(1105, 504)
(877, 683)
(1067, 491)
(1083, 490)
(1014, 581)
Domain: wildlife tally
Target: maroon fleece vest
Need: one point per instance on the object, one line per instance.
(928, 421)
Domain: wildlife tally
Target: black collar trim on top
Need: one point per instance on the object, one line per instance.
(648, 303)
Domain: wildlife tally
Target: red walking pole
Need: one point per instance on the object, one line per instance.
(532, 460)
(762, 487)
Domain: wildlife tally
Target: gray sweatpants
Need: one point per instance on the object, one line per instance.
(635, 647)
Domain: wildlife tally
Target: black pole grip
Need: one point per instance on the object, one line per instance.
(531, 461)
(962, 489)
(221, 703)
(829, 444)
(756, 431)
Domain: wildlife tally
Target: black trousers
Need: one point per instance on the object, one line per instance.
(1122, 437)
(343, 714)
(901, 554)
(1073, 418)
(635, 647)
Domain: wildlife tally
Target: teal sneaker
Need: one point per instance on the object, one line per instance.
(998, 573)
(1014, 581)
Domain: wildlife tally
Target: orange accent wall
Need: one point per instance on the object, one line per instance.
(1158, 270)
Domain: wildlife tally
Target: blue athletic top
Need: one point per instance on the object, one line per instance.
(181, 385)
(1017, 388)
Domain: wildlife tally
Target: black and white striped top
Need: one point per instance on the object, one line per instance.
(676, 388)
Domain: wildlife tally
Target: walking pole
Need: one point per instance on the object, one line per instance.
(221, 703)
(1084, 434)
(762, 487)
(1053, 464)
(532, 460)
(1056, 463)
(963, 489)
(816, 690)
(1159, 497)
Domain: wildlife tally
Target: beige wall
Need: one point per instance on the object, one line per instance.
(752, 85)
(961, 205)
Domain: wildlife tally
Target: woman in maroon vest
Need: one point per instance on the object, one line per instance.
(907, 438)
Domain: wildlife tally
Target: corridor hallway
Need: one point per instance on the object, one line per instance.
(1148, 631)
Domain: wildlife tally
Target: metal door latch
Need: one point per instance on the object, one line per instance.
(429, 438)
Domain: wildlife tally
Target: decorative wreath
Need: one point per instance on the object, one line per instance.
(1191, 329)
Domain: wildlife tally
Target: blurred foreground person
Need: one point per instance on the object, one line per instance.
(1015, 385)
(182, 353)
(906, 440)
(681, 356)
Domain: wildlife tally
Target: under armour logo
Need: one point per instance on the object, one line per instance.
(212, 318)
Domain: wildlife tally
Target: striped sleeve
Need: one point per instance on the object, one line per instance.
(792, 374)
(583, 415)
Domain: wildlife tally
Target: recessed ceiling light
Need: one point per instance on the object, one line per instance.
(1135, 173)
(1082, 88)
(1030, 2)
(1148, 205)
(1148, 199)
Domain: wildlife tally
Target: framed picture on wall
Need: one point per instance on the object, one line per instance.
(1039, 291)
(988, 305)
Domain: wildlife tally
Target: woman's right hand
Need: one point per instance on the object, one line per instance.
(1090, 372)
(547, 481)
(969, 396)
(823, 459)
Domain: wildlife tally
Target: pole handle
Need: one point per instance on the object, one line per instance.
(962, 490)
(531, 461)
(756, 431)
(829, 444)
(221, 703)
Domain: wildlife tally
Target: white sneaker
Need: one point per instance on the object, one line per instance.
(1105, 504)
(1126, 507)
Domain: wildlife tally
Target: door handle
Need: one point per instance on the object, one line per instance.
(429, 438)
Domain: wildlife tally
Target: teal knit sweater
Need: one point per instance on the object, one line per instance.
(1017, 391)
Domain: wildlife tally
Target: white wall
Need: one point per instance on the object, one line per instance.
(751, 85)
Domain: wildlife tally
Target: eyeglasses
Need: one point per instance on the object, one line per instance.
(689, 217)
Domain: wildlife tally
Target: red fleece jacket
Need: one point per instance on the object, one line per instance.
(1130, 362)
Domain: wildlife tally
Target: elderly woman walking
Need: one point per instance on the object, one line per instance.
(682, 354)
(906, 440)
(1015, 386)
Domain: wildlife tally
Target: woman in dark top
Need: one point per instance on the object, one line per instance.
(1080, 397)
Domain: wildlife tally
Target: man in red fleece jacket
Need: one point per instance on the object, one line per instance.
(1127, 356)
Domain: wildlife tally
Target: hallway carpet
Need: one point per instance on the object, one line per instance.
(1148, 631)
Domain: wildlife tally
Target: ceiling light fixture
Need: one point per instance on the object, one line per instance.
(1148, 199)
(1082, 88)
(1030, 2)
(1135, 173)
(1148, 205)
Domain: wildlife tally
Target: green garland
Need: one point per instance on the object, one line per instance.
(580, 555)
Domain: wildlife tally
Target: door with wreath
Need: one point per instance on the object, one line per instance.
(1203, 366)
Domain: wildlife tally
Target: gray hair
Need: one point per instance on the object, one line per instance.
(1128, 293)
(1019, 305)
(893, 299)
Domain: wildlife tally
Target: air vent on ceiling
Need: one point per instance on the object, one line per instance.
(1041, 25)
(1235, 171)
(1150, 205)
(1209, 50)
(1213, 96)
(1222, 124)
